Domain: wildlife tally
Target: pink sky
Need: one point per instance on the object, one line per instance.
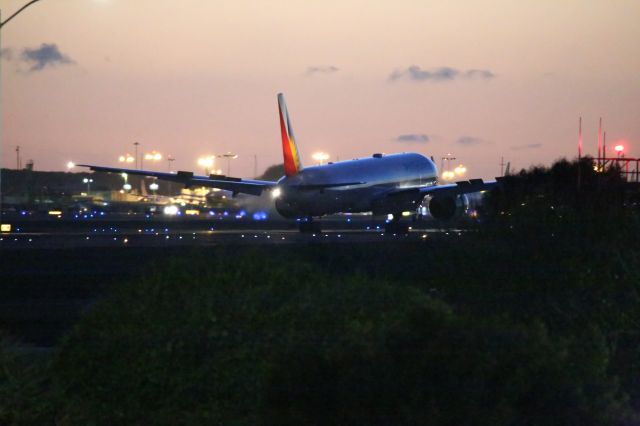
(195, 77)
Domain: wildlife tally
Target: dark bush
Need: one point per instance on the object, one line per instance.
(24, 385)
(248, 341)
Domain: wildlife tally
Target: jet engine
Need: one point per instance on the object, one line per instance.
(286, 209)
(448, 207)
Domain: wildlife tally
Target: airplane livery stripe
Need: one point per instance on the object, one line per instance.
(289, 163)
(292, 145)
(290, 153)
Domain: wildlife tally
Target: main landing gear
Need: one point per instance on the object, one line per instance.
(394, 226)
(307, 225)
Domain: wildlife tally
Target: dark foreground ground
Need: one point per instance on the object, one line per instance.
(53, 270)
(530, 322)
(44, 291)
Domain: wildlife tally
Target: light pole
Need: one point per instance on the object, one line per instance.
(229, 156)
(206, 163)
(170, 160)
(2, 24)
(88, 182)
(445, 172)
(154, 187)
(135, 147)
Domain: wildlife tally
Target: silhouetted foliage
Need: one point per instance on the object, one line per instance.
(565, 184)
(274, 172)
(249, 340)
(24, 380)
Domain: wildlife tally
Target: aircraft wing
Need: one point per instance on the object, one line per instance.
(325, 185)
(458, 188)
(449, 189)
(235, 185)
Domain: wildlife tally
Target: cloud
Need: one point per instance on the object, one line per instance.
(322, 70)
(416, 73)
(412, 138)
(470, 141)
(480, 74)
(43, 56)
(528, 146)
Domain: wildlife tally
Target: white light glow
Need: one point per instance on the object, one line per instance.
(171, 210)
(205, 162)
(320, 157)
(153, 156)
(460, 170)
(448, 175)
(128, 158)
(276, 192)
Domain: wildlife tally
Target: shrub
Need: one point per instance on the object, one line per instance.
(250, 340)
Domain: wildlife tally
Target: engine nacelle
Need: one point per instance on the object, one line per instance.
(405, 201)
(286, 209)
(448, 207)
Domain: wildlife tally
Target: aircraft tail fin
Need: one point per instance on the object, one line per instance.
(292, 164)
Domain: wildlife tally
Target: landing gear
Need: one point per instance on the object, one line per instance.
(395, 227)
(307, 225)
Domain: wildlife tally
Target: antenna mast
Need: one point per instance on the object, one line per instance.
(580, 138)
(599, 142)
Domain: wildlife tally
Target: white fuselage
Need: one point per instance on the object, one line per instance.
(360, 185)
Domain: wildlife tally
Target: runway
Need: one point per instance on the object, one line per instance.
(52, 233)
(165, 237)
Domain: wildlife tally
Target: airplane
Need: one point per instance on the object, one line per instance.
(380, 184)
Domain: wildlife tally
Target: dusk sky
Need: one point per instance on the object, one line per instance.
(84, 79)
